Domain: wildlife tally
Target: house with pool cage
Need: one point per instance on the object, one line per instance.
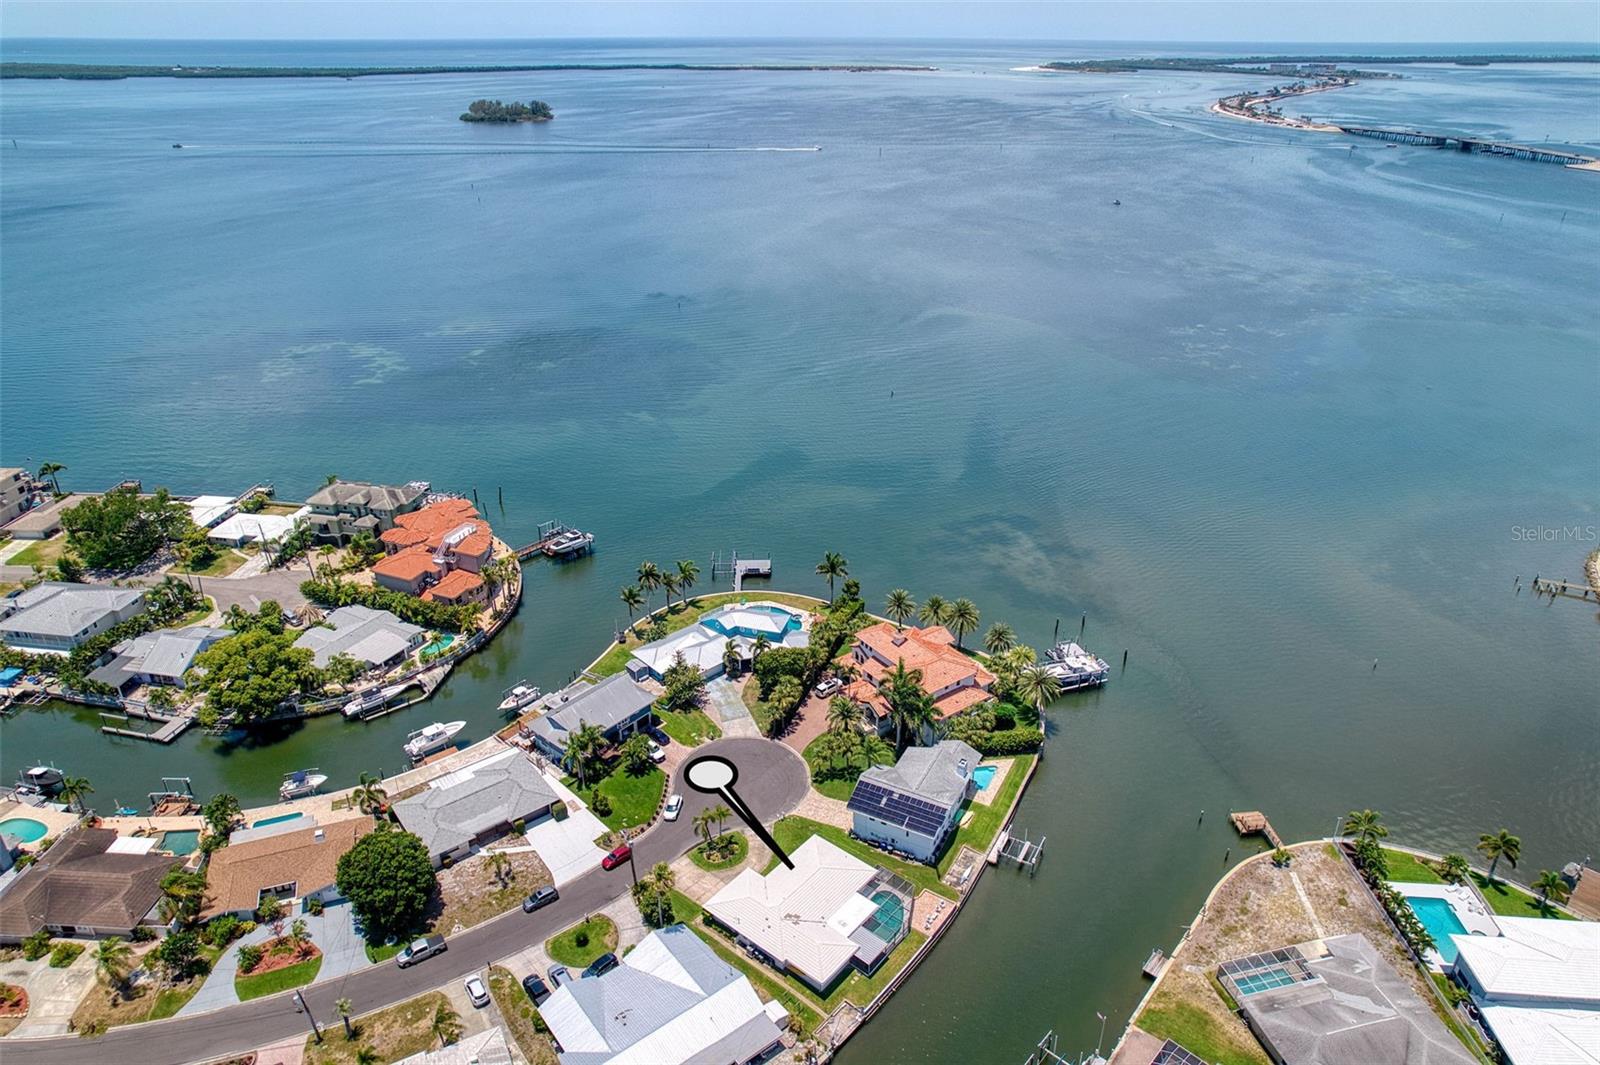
(829, 913)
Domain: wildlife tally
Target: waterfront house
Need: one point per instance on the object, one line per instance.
(344, 508)
(408, 571)
(91, 883)
(159, 657)
(57, 616)
(44, 520)
(449, 528)
(829, 912)
(458, 588)
(375, 638)
(914, 805)
(672, 1001)
(17, 493)
(292, 867)
(243, 528)
(475, 804)
(1537, 985)
(955, 681)
(616, 706)
(704, 643)
(207, 511)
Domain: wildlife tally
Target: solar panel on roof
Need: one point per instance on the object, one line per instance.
(895, 808)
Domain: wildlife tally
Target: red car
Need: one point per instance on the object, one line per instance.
(616, 857)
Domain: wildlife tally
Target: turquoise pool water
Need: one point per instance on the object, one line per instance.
(885, 923)
(275, 820)
(440, 644)
(1265, 980)
(983, 776)
(790, 622)
(1439, 918)
(186, 841)
(23, 829)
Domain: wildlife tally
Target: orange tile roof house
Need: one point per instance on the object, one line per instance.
(456, 588)
(955, 681)
(290, 866)
(428, 546)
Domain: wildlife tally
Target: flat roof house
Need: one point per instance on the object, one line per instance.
(344, 508)
(913, 805)
(672, 1001)
(85, 886)
(831, 911)
(375, 638)
(291, 867)
(160, 657)
(58, 615)
(616, 706)
(475, 804)
(243, 528)
(1538, 986)
(955, 681)
(704, 643)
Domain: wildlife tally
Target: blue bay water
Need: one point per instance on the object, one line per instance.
(1288, 410)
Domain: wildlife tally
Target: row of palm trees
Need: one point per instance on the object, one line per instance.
(651, 578)
(1368, 825)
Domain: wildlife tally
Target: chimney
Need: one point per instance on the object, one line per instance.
(961, 767)
(321, 837)
(899, 639)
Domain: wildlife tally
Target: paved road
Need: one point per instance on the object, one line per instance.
(772, 779)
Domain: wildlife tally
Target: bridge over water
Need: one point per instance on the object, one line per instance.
(1475, 144)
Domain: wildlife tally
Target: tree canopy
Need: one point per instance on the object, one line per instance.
(682, 685)
(120, 529)
(388, 878)
(495, 111)
(250, 674)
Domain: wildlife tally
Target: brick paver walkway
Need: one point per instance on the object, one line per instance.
(829, 811)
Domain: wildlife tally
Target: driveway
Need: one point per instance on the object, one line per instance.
(727, 709)
(567, 847)
(808, 724)
(218, 990)
(334, 933)
(53, 994)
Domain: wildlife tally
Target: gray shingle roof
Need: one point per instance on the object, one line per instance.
(932, 774)
(169, 652)
(605, 705)
(455, 808)
(76, 883)
(59, 608)
(369, 636)
(363, 494)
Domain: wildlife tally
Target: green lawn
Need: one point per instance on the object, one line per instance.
(563, 946)
(839, 779)
(297, 975)
(40, 552)
(1509, 901)
(1410, 869)
(226, 562)
(634, 799)
(688, 727)
(740, 849)
(792, 831)
(1200, 1033)
(679, 616)
(384, 951)
(765, 980)
(980, 832)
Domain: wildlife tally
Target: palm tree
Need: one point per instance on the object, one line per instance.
(670, 582)
(702, 825)
(1497, 845)
(909, 705)
(633, 599)
(1038, 687)
(851, 589)
(649, 579)
(74, 790)
(1550, 886)
(1365, 824)
(1454, 868)
(843, 714)
(760, 646)
(731, 659)
(499, 863)
(934, 611)
(664, 877)
(719, 814)
(48, 472)
(999, 639)
(369, 795)
(344, 1006)
(900, 606)
(582, 745)
(299, 935)
(365, 1055)
(963, 618)
(112, 960)
(832, 565)
(688, 572)
(446, 1024)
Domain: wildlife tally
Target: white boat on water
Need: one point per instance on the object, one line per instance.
(519, 697)
(300, 783)
(431, 739)
(370, 699)
(1074, 667)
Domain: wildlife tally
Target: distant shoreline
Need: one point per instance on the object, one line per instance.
(118, 72)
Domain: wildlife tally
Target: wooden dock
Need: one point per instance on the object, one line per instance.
(738, 569)
(168, 726)
(1155, 963)
(1250, 822)
(1570, 589)
(555, 540)
(1019, 849)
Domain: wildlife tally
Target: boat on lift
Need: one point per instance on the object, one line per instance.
(40, 780)
(301, 783)
(1075, 667)
(519, 698)
(431, 739)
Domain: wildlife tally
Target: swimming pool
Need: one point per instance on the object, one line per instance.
(23, 829)
(748, 621)
(276, 820)
(185, 842)
(439, 645)
(1262, 980)
(887, 919)
(983, 776)
(1439, 918)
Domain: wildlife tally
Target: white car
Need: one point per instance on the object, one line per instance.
(828, 687)
(656, 753)
(477, 992)
(674, 808)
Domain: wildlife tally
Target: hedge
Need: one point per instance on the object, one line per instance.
(1008, 742)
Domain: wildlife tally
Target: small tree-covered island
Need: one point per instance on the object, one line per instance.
(495, 111)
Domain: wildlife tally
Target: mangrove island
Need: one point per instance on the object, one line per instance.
(495, 111)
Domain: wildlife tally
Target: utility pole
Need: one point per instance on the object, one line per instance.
(307, 1010)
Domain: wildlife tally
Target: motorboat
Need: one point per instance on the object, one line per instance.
(370, 699)
(518, 698)
(1074, 667)
(300, 783)
(431, 739)
(40, 780)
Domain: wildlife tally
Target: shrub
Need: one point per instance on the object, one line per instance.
(249, 957)
(581, 939)
(36, 946)
(222, 930)
(314, 905)
(142, 933)
(598, 802)
(521, 826)
(1010, 742)
(64, 954)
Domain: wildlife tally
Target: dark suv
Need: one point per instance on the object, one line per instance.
(602, 965)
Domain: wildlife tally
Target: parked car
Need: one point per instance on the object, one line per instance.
(619, 854)
(540, 898)
(558, 976)
(673, 809)
(426, 947)
(477, 994)
(655, 732)
(656, 753)
(827, 687)
(601, 965)
(536, 988)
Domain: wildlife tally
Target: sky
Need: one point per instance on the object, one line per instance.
(1342, 21)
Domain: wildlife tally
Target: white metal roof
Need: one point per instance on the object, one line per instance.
(1536, 959)
(1546, 1036)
